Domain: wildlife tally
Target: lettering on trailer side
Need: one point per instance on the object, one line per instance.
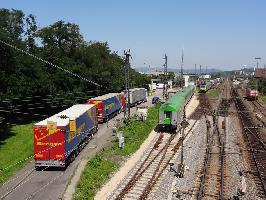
(42, 136)
(90, 112)
(73, 134)
(57, 156)
(53, 144)
(109, 106)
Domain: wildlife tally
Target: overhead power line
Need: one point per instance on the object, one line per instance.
(51, 64)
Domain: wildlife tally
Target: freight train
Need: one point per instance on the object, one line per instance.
(171, 112)
(59, 138)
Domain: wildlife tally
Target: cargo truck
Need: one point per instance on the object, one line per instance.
(108, 105)
(59, 139)
(137, 96)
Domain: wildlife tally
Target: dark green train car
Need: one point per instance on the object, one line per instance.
(171, 112)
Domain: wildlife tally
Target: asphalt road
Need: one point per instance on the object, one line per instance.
(51, 183)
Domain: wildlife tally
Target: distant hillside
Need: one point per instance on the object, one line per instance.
(172, 69)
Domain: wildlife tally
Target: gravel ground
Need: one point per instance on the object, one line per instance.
(237, 161)
(127, 169)
(170, 187)
(117, 179)
(251, 108)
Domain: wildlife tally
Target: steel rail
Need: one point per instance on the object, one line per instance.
(155, 178)
(239, 106)
(140, 171)
(259, 107)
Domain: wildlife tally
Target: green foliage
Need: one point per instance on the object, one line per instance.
(251, 84)
(16, 148)
(99, 168)
(170, 76)
(62, 44)
(96, 172)
(136, 132)
(262, 86)
(263, 98)
(217, 75)
(213, 93)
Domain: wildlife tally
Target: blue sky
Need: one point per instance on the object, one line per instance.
(225, 34)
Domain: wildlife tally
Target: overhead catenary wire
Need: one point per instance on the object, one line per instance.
(49, 148)
(23, 182)
(51, 64)
(24, 174)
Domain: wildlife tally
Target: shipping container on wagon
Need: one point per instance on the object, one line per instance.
(58, 139)
(108, 105)
(137, 95)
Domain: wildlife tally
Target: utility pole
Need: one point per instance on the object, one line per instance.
(127, 86)
(195, 72)
(258, 58)
(206, 70)
(200, 70)
(257, 87)
(182, 65)
(165, 77)
(184, 125)
(149, 68)
(264, 72)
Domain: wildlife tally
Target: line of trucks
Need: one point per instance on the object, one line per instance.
(59, 138)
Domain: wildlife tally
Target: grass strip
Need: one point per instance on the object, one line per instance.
(213, 93)
(16, 145)
(100, 167)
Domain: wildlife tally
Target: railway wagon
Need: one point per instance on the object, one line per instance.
(204, 87)
(137, 95)
(171, 112)
(59, 139)
(252, 94)
(108, 105)
(198, 82)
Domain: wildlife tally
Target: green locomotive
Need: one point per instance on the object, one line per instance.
(171, 112)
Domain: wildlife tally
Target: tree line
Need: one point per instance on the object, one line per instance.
(62, 44)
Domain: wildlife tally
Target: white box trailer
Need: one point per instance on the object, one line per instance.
(137, 95)
(159, 85)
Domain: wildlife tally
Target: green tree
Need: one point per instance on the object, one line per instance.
(31, 32)
(63, 45)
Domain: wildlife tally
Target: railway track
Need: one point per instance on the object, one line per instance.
(146, 174)
(212, 180)
(211, 185)
(260, 108)
(257, 148)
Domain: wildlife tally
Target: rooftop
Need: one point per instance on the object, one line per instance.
(260, 73)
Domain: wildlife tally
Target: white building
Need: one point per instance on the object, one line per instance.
(189, 80)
